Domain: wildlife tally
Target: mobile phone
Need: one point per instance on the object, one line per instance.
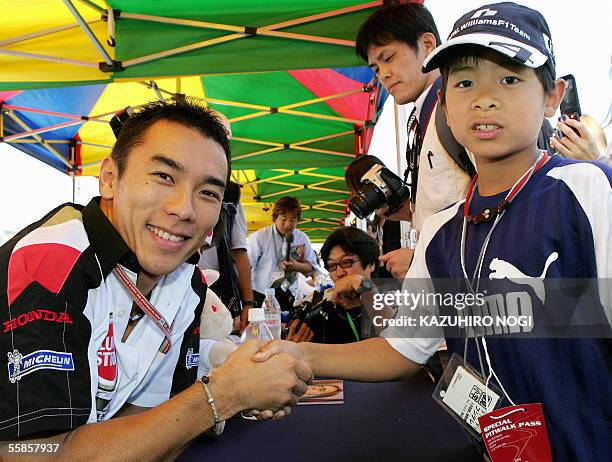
(570, 105)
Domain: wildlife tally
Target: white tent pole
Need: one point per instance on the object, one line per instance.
(47, 146)
(42, 33)
(54, 59)
(90, 35)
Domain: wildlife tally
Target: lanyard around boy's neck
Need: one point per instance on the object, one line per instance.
(498, 213)
(490, 213)
(144, 304)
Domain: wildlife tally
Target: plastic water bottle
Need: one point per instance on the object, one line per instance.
(273, 313)
(257, 328)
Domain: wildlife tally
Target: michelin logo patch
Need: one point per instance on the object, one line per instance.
(19, 366)
(191, 359)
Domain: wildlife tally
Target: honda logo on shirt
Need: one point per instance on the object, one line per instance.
(484, 12)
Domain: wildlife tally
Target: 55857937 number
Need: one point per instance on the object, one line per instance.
(16, 447)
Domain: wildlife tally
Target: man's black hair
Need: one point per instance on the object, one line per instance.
(357, 168)
(404, 22)
(186, 111)
(353, 241)
(232, 192)
(471, 53)
(286, 205)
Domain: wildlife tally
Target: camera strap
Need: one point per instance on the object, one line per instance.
(416, 132)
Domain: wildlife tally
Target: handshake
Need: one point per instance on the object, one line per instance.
(265, 379)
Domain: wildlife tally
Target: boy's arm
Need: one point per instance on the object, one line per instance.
(372, 360)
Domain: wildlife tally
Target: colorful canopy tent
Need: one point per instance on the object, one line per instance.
(45, 43)
(294, 130)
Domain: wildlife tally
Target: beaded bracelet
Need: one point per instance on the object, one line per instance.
(205, 380)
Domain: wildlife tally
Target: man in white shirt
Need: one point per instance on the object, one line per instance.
(395, 41)
(267, 248)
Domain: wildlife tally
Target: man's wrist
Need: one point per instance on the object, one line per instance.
(365, 285)
(223, 391)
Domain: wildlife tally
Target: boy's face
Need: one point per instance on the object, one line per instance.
(398, 68)
(495, 108)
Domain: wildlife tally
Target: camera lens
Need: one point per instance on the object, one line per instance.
(367, 200)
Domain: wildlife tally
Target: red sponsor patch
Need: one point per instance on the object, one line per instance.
(35, 315)
(49, 264)
(196, 331)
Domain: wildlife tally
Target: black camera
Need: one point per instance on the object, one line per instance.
(380, 187)
(311, 310)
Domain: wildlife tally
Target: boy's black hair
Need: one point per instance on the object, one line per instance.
(474, 53)
(189, 112)
(353, 241)
(404, 22)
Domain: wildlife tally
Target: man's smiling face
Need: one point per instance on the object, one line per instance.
(168, 197)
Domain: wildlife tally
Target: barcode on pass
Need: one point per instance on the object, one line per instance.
(479, 396)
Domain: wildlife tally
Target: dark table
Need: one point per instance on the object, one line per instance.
(378, 422)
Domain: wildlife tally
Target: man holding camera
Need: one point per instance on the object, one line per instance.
(394, 41)
(351, 256)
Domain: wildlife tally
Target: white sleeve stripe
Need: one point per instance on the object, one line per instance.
(592, 190)
(70, 233)
(431, 226)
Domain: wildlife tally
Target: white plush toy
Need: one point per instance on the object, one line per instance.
(216, 324)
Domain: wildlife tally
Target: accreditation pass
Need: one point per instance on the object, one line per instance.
(467, 397)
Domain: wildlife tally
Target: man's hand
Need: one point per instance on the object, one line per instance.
(303, 334)
(344, 291)
(403, 214)
(273, 384)
(293, 265)
(580, 146)
(397, 262)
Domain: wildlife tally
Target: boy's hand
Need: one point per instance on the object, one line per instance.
(275, 347)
